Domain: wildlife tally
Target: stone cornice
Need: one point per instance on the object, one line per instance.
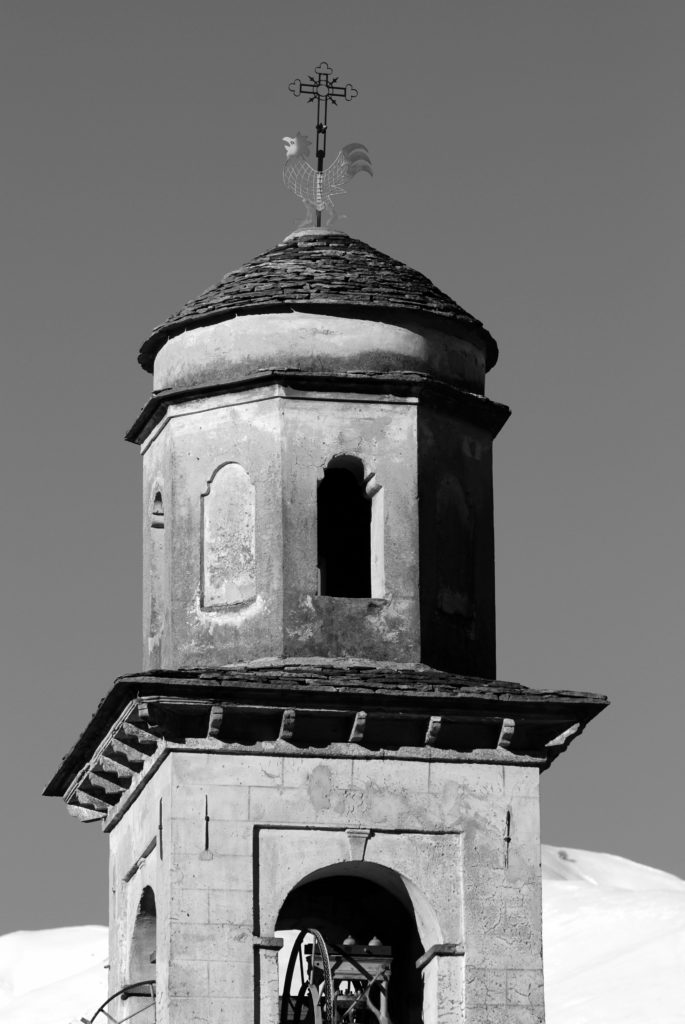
(317, 708)
(478, 409)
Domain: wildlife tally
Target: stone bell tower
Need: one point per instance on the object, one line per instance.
(318, 741)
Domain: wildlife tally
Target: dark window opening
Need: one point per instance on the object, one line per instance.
(344, 530)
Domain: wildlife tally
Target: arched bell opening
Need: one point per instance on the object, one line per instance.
(142, 963)
(362, 922)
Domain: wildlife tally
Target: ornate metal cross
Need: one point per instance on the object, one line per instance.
(322, 89)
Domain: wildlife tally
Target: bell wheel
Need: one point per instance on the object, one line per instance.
(308, 985)
(134, 1002)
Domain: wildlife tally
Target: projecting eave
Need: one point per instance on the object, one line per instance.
(311, 708)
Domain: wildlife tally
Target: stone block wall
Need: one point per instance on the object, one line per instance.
(240, 832)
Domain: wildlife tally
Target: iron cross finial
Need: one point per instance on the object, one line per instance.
(317, 188)
(322, 89)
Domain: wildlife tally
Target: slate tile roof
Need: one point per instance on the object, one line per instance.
(316, 268)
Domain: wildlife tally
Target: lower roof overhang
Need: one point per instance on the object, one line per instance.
(314, 708)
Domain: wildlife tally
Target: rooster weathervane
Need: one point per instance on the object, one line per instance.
(316, 188)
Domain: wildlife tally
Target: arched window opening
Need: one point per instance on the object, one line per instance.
(367, 931)
(142, 961)
(143, 958)
(344, 530)
(157, 518)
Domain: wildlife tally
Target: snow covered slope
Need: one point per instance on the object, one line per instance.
(53, 976)
(614, 934)
(614, 940)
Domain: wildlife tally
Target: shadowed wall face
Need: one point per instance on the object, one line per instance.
(457, 548)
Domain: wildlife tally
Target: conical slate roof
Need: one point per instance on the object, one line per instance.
(315, 268)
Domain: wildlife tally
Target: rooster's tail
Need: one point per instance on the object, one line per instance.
(358, 159)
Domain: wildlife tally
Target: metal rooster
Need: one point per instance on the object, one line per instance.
(317, 188)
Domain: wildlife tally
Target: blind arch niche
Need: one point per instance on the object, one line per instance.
(228, 577)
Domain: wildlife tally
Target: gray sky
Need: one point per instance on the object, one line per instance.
(529, 159)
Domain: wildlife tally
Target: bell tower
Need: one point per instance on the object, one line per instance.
(322, 806)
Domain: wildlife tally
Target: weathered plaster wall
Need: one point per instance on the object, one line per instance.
(157, 479)
(282, 442)
(381, 432)
(442, 828)
(187, 453)
(236, 561)
(315, 343)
